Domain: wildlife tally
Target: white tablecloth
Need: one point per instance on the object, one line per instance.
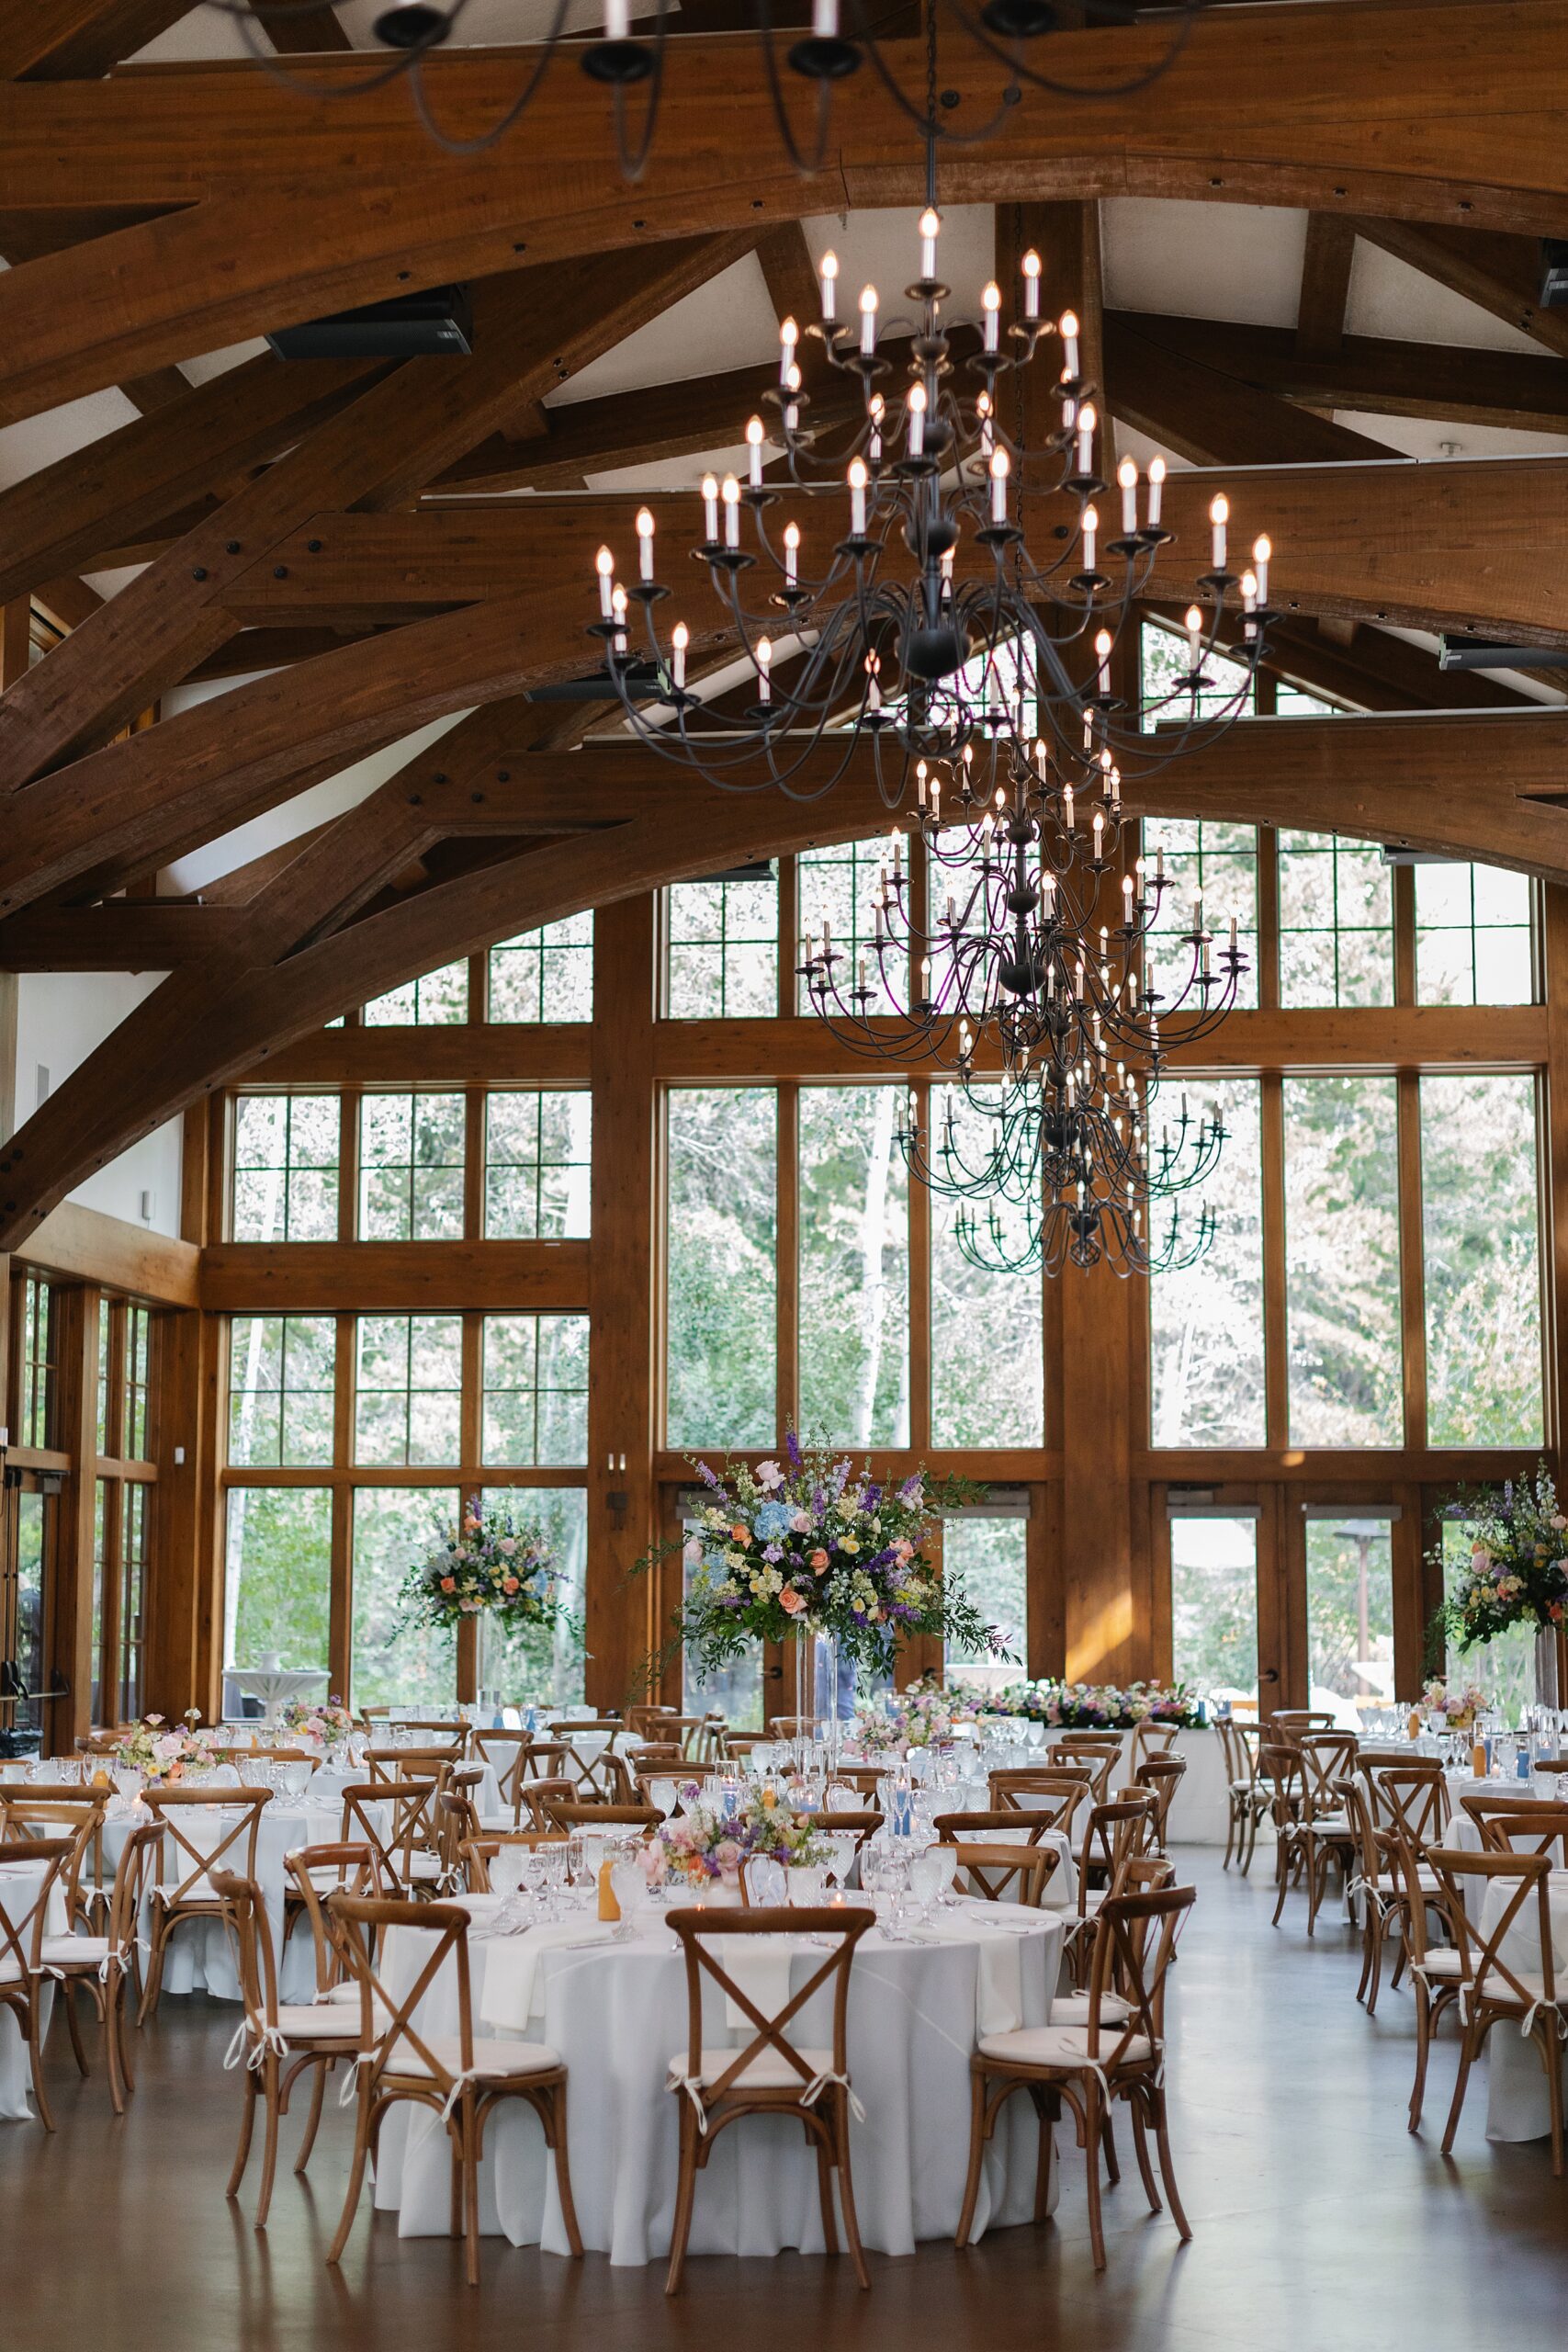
(20, 1883)
(617, 2012)
(1517, 2095)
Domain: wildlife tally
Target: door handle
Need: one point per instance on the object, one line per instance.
(772, 1674)
(1269, 1674)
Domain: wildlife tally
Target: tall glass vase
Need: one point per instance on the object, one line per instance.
(1546, 1682)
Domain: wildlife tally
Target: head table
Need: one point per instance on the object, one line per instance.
(615, 2011)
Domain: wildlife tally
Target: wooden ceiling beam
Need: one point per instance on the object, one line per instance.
(122, 935)
(305, 32)
(1285, 105)
(75, 41)
(1190, 406)
(1500, 273)
(1373, 671)
(1367, 372)
(1458, 784)
(1066, 238)
(1326, 285)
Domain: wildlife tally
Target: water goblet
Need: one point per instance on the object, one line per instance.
(925, 1882)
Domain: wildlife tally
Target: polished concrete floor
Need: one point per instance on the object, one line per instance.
(1318, 2222)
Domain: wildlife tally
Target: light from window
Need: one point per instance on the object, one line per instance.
(281, 1371)
(286, 1168)
(1168, 703)
(1472, 936)
(397, 1664)
(1214, 1607)
(38, 1361)
(1480, 1244)
(1206, 1320)
(1342, 1261)
(546, 975)
(1335, 921)
(410, 1166)
(839, 887)
(134, 1531)
(408, 1388)
(987, 1354)
(721, 1364)
(722, 950)
(279, 1594)
(1349, 1581)
(854, 1267)
(991, 1557)
(538, 1165)
(436, 999)
(536, 1389)
(133, 1442)
(544, 1666)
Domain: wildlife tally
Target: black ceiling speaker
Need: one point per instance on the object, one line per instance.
(1490, 653)
(1554, 272)
(437, 324)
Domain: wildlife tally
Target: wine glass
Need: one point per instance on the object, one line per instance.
(628, 1886)
(925, 1882)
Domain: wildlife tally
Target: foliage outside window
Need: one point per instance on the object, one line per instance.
(38, 1361)
(544, 1666)
(987, 1341)
(135, 1512)
(1342, 1263)
(721, 1280)
(396, 1664)
(105, 1331)
(538, 1150)
(1350, 1581)
(412, 1151)
(1219, 863)
(133, 1439)
(286, 1168)
(544, 975)
(536, 1389)
(1206, 1320)
(839, 886)
(854, 1267)
(1335, 921)
(1168, 703)
(1482, 1256)
(278, 1589)
(990, 1557)
(436, 999)
(281, 1379)
(408, 1388)
(1474, 939)
(1213, 1605)
(722, 949)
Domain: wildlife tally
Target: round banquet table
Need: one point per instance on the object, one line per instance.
(19, 1883)
(617, 2012)
(1517, 2095)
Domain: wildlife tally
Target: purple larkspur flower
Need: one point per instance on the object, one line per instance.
(792, 1447)
(870, 1497)
(707, 1477)
(911, 1491)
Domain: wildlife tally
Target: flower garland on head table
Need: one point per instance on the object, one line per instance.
(1518, 1562)
(814, 1547)
(1092, 1706)
(493, 1566)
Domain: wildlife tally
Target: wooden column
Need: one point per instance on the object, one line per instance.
(183, 1658)
(68, 1657)
(621, 1390)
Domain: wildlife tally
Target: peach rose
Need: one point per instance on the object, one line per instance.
(448, 1584)
(508, 1583)
(791, 1601)
(819, 1559)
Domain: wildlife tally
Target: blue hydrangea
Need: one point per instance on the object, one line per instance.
(772, 1521)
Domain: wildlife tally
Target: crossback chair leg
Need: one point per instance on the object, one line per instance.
(685, 2193)
(1092, 2133)
(1467, 2050)
(74, 2024)
(114, 2055)
(1043, 2161)
(981, 2125)
(468, 2145)
(356, 2173)
(1141, 2146)
(35, 2061)
(554, 2120)
(1168, 2169)
(312, 2121)
(269, 2144)
(154, 1983)
(247, 2126)
(840, 2098)
(825, 2191)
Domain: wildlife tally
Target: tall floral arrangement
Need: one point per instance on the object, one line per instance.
(810, 1546)
(492, 1565)
(1517, 1571)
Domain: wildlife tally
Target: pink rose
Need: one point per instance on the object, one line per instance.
(508, 1583)
(819, 1559)
(791, 1601)
(448, 1584)
(727, 1854)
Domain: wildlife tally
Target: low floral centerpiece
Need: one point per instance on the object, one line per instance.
(926, 1716)
(1458, 1708)
(165, 1753)
(324, 1722)
(811, 1547)
(491, 1566)
(703, 1848)
(1518, 1573)
(1096, 1706)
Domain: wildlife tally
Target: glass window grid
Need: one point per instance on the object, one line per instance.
(134, 1441)
(299, 1176)
(135, 1513)
(840, 883)
(410, 1185)
(721, 952)
(534, 1413)
(538, 1155)
(1474, 935)
(544, 975)
(38, 1361)
(436, 999)
(1344, 961)
(401, 1416)
(279, 1411)
(1219, 861)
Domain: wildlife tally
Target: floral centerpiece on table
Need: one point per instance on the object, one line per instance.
(813, 1546)
(1518, 1562)
(1095, 1706)
(325, 1722)
(1459, 1707)
(925, 1715)
(491, 1566)
(168, 1753)
(706, 1844)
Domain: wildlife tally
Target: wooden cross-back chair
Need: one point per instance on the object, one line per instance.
(1246, 1801)
(506, 1754)
(1520, 1825)
(601, 1773)
(540, 1799)
(386, 1766)
(397, 1819)
(1002, 1872)
(1316, 1832)
(866, 1780)
(1150, 1738)
(1117, 2052)
(182, 1864)
(768, 2075)
(463, 2076)
(79, 1816)
(1004, 1824)
(275, 2042)
(313, 1873)
(1100, 1758)
(102, 1963)
(457, 1823)
(1161, 1775)
(24, 1921)
(1495, 1987)
(1412, 1801)
(1114, 1834)
(1377, 1883)
(650, 1720)
(1051, 1792)
(437, 1730)
(864, 1825)
(1280, 1777)
(1287, 1724)
(570, 1815)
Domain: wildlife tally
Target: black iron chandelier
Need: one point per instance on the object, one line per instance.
(628, 60)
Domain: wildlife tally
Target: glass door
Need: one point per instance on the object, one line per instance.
(26, 1528)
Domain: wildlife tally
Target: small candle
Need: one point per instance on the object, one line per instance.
(830, 269)
(1127, 477)
(731, 512)
(1031, 284)
(645, 543)
(1090, 528)
(791, 551)
(915, 409)
(1156, 484)
(681, 637)
(868, 319)
(921, 783)
(604, 565)
(1102, 648)
(987, 424)
(874, 682)
(1249, 591)
(999, 486)
(825, 19)
(789, 336)
(1194, 637)
(876, 409)
(858, 479)
(931, 227)
(1219, 515)
(764, 681)
(1262, 550)
(754, 444)
(991, 304)
(1069, 330)
(618, 613)
(1086, 423)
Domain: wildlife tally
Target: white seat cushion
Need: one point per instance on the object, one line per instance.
(495, 2058)
(767, 2071)
(201, 1889)
(1329, 1824)
(318, 2022)
(1072, 2008)
(1056, 2045)
(425, 1868)
(1440, 1963)
(82, 1950)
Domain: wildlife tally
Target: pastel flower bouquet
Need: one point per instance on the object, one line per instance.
(1518, 1562)
(703, 1847)
(812, 1547)
(925, 1715)
(324, 1723)
(1458, 1708)
(1094, 1706)
(493, 1566)
(165, 1753)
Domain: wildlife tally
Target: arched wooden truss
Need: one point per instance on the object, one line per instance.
(298, 530)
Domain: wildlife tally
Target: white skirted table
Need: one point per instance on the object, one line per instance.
(18, 1886)
(1517, 2095)
(615, 2011)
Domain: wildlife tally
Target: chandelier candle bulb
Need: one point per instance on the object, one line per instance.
(858, 479)
(1088, 420)
(1194, 638)
(764, 681)
(1103, 649)
(710, 508)
(1233, 934)
(681, 637)
(1030, 265)
(1262, 550)
(917, 416)
(1219, 515)
(991, 304)
(876, 409)
(1249, 591)
(999, 486)
(931, 229)
(829, 262)
(604, 565)
(645, 544)
(1090, 528)
(1127, 475)
(1068, 327)
(618, 613)
(731, 512)
(791, 552)
(920, 773)
(754, 444)
(617, 19)
(789, 336)
(867, 320)
(1156, 486)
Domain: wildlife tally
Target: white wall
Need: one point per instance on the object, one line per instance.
(61, 1017)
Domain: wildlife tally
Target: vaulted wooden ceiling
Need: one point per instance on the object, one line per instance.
(311, 560)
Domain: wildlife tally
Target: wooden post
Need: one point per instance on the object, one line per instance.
(69, 1652)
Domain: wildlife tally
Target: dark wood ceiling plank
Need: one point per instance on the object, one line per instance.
(70, 40)
(1210, 418)
(1326, 285)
